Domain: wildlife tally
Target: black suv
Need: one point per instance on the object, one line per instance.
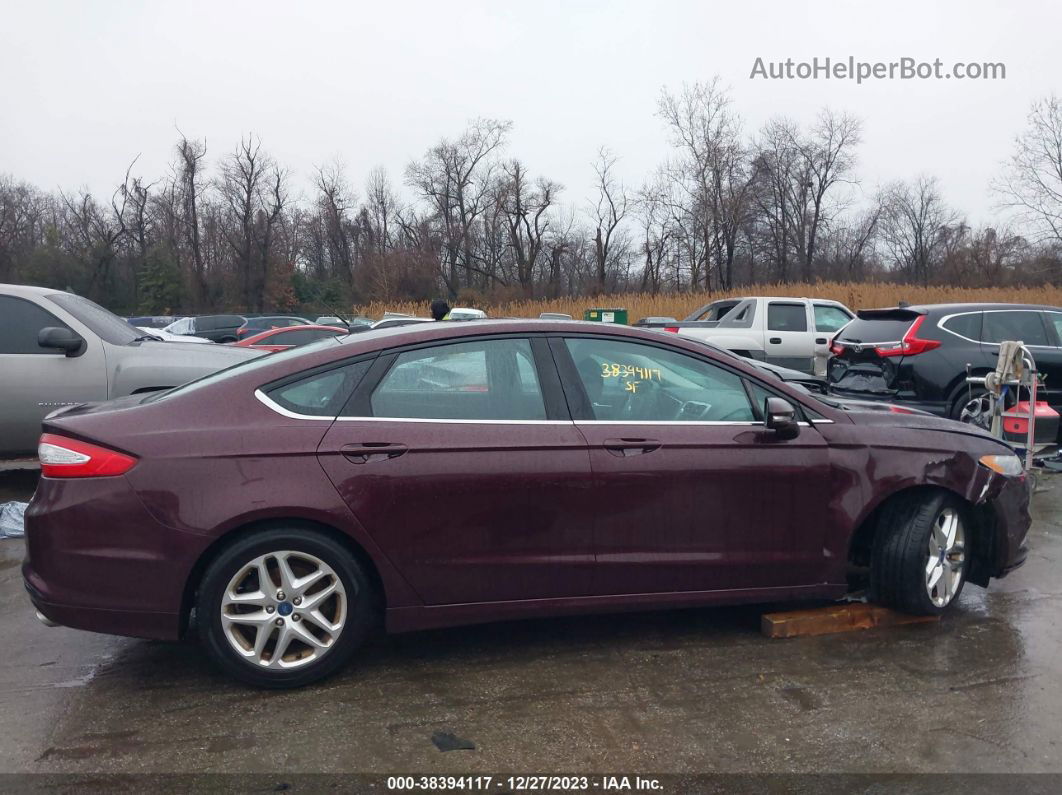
(217, 328)
(258, 324)
(918, 355)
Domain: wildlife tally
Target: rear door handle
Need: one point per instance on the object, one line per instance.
(625, 448)
(364, 452)
(775, 340)
(820, 340)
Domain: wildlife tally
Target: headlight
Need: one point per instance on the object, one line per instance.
(1009, 465)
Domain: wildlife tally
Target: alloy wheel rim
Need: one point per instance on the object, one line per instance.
(947, 553)
(977, 411)
(284, 610)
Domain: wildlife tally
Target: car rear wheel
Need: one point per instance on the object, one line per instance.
(284, 607)
(973, 407)
(920, 556)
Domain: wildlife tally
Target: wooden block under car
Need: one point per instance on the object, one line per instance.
(835, 618)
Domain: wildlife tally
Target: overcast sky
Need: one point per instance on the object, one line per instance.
(89, 85)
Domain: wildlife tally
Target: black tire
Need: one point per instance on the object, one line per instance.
(963, 399)
(900, 557)
(359, 606)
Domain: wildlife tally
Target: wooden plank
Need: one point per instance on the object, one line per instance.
(833, 619)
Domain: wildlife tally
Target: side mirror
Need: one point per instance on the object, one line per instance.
(62, 339)
(780, 417)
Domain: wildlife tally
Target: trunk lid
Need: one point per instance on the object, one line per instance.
(857, 364)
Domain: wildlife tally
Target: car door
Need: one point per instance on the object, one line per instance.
(36, 381)
(788, 342)
(1049, 358)
(692, 492)
(462, 462)
(1029, 326)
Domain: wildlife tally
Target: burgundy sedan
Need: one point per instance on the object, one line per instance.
(280, 339)
(451, 473)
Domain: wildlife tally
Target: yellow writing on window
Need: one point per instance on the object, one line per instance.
(615, 370)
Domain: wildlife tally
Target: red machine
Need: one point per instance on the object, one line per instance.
(1016, 423)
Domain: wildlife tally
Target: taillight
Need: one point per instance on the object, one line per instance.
(63, 457)
(911, 344)
(672, 329)
(836, 348)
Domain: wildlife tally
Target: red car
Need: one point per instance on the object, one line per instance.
(280, 339)
(294, 501)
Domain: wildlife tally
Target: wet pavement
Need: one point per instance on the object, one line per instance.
(672, 692)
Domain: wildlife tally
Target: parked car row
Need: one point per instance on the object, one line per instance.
(920, 356)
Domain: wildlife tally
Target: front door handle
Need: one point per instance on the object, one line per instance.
(775, 340)
(364, 452)
(624, 448)
(820, 340)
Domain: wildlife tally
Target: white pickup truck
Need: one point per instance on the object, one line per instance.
(790, 332)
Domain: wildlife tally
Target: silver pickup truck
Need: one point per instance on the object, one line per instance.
(59, 349)
(789, 332)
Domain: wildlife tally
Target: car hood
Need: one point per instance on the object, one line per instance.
(918, 422)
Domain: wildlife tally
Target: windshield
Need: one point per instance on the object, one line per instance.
(240, 368)
(106, 325)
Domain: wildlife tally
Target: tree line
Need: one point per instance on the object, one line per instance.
(471, 221)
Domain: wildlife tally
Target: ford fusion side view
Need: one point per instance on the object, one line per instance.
(450, 473)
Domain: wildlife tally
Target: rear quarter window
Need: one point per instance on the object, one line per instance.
(320, 394)
(967, 325)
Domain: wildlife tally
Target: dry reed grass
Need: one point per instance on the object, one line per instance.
(853, 295)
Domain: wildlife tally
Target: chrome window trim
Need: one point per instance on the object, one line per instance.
(448, 421)
(274, 406)
(743, 423)
(269, 403)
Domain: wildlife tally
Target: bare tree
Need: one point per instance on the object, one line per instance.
(190, 187)
(828, 158)
(711, 169)
(607, 212)
(253, 191)
(917, 227)
(455, 179)
(525, 205)
(1031, 184)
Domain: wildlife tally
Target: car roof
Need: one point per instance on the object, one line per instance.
(27, 290)
(925, 309)
(426, 332)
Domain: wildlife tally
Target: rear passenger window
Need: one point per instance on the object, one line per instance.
(787, 317)
(320, 394)
(480, 380)
(830, 318)
(1025, 326)
(968, 325)
(1056, 320)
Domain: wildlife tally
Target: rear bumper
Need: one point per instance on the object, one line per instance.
(96, 559)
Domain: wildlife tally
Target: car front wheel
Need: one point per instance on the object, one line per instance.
(283, 608)
(920, 553)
